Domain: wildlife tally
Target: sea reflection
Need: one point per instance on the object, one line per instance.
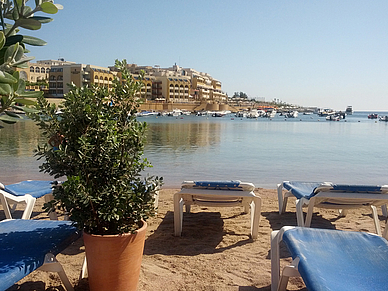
(17, 144)
(178, 137)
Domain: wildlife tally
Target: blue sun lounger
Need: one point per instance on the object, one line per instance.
(332, 196)
(25, 192)
(26, 245)
(217, 194)
(330, 259)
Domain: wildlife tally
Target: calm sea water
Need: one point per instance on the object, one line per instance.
(262, 151)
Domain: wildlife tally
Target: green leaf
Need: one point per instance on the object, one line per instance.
(13, 39)
(12, 114)
(30, 94)
(27, 102)
(48, 7)
(28, 23)
(5, 89)
(42, 19)
(18, 54)
(27, 10)
(2, 40)
(33, 41)
(7, 78)
(8, 119)
(10, 53)
(23, 60)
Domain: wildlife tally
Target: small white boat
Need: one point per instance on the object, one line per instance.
(383, 118)
(291, 114)
(146, 113)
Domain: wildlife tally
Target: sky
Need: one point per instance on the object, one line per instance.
(325, 53)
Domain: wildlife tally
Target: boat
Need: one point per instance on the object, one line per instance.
(145, 113)
(373, 116)
(384, 118)
(175, 112)
(325, 112)
(333, 117)
(291, 114)
(270, 113)
(349, 110)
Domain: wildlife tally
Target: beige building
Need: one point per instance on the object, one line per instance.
(79, 75)
(171, 85)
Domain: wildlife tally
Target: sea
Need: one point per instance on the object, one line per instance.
(263, 151)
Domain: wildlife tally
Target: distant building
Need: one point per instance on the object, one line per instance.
(173, 85)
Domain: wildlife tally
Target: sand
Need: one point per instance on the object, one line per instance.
(215, 251)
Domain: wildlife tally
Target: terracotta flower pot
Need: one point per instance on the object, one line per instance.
(114, 261)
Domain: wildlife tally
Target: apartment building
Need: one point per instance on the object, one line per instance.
(78, 74)
(174, 84)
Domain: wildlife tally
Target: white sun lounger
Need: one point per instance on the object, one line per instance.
(217, 194)
(332, 196)
(25, 192)
(330, 260)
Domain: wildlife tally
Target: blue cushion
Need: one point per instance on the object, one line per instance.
(301, 189)
(218, 184)
(307, 189)
(339, 260)
(34, 188)
(24, 244)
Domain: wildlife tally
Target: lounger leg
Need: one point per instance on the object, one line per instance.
(280, 282)
(310, 210)
(384, 210)
(280, 198)
(52, 265)
(5, 204)
(178, 214)
(342, 212)
(299, 212)
(84, 269)
(255, 217)
(275, 261)
(30, 201)
(376, 220)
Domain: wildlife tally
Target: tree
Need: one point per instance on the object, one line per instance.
(13, 50)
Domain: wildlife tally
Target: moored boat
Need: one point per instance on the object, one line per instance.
(373, 116)
(384, 118)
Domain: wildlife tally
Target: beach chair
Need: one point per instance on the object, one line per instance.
(332, 196)
(217, 194)
(28, 245)
(329, 259)
(25, 192)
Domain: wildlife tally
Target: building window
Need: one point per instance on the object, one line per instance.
(32, 69)
(42, 70)
(37, 70)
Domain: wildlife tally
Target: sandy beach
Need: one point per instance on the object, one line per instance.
(215, 251)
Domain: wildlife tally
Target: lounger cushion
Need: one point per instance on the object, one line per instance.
(301, 189)
(309, 189)
(34, 188)
(339, 260)
(24, 244)
(218, 184)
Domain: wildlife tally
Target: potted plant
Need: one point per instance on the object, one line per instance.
(97, 143)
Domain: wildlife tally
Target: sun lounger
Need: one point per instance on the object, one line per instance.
(333, 196)
(330, 259)
(27, 245)
(217, 194)
(25, 192)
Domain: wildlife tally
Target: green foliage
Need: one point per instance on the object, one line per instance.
(97, 143)
(13, 49)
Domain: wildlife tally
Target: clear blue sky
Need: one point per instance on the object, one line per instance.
(325, 53)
